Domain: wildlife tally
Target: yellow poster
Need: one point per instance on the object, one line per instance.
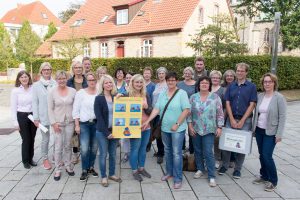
(127, 117)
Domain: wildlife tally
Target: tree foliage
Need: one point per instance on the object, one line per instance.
(217, 39)
(6, 47)
(65, 15)
(51, 30)
(290, 17)
(27, 42)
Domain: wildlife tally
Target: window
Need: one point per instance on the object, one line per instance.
(104, 50)
(104, 19)
(267, 35)
(44, 15)
(216, 10)
(201, 15)
(146, 49)
(78, 22)
(122, 16)
(86, 50)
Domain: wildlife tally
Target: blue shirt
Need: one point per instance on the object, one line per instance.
(150, 89)
(240, 97)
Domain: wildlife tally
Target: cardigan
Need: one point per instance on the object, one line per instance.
(276, 114)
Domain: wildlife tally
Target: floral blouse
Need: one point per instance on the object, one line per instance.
(206, 116)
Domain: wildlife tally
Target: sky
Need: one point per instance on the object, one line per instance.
(55, 6)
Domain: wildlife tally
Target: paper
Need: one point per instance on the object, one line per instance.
(127, 117)
(41, 126)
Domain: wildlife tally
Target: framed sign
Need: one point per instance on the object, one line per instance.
(127, 117)
(234, 140)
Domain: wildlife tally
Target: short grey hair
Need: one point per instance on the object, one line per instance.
(161, 69)
(189, 69)
(213, 72)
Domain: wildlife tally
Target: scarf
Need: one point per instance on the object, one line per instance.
(48, 84)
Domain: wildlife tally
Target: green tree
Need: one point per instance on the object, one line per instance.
(217, 39)
(51, 31)
(65, 15)
(290, 17)
(6, 47)
(27, 43)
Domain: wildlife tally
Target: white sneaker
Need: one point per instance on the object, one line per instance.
(217, 164)
(212, 182)
(198, 174)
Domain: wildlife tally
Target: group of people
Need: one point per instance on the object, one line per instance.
(201, 105)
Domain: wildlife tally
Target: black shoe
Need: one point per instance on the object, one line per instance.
(83, 176)
(93, 172)
(57, 176)
(160, 159)
(222, 170)
(33, 164)
(26, 165)
(236, 174)
(71, 173)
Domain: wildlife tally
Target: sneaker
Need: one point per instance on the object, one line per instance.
(217, 164)
(104, 182)
(177, 185)
(93, 172)
(70, 171)
(259, 181)
(166, 177)
(160, 159)
(84, 176)
(236, 174)
(270, 187)
(144, 173)
(198, 174)
(137, 176)
(47, 165)
(26, 165)
(212, 182)
(222, 170)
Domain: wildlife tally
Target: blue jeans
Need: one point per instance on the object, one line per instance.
(239, 159)
(88, 144)
(173, 152)
(266, 145)
(138, 150)
(107, 146)
(203, 147)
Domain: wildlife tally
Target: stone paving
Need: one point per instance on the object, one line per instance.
(19, 183)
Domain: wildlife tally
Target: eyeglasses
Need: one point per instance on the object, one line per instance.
(215, 78)
(46, 70)
(268, 82)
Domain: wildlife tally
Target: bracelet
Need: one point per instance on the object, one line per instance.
(177, 124)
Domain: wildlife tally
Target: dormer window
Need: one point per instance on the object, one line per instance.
(122, 16)
(104, 19)
(44, 16)
(78, 22)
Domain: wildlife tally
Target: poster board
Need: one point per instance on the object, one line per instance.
(127, 117)
(234, 140)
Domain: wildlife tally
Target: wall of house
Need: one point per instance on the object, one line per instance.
(94, 49)
(194, 24)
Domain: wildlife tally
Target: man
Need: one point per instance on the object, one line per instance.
(200, 68)
(87, 64)
(240, 97)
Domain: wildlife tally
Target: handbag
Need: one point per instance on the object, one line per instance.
(75, 140)
(189, 163)
(156, 132)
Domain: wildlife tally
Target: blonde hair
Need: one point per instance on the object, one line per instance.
(189, 69)
(43, 65)
(213, 72)
(75, 63)
(90, 74)
(99, 69)
(101, 82)
(61, 73)
(132, 91)
(243, 65)
(273, 77)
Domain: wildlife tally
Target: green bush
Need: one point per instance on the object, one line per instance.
(288, 70)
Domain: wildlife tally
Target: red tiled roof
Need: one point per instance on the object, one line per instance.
(31, 12)
(45, 49)
(163, 15)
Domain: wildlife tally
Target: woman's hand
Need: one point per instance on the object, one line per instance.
(119, 95)
(174, 127)
(110, 136)
(145, 105)
(278, 139)
(219, 132)
(56, 128)
(145, 125)
(192, 131)
(77, 129)
(36, 123)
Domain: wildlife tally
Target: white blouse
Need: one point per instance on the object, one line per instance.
(263, 112)
(83, 107)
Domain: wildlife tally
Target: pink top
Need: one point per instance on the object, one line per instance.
(263, 112)
(144, 116)
(21, 101)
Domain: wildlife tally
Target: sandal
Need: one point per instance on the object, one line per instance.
(115, 178)
(104, 182)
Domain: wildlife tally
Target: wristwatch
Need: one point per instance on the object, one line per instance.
(177, 124)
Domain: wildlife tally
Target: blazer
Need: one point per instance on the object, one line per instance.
(276, 114)
(59, 109)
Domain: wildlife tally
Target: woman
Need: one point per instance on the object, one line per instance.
(60, 106)
(270, 117)
(103, 108)
(78, 81)
(205, 122)
(21, 107)
(102, 70)
(173, 127)
(188, 85)
(160, 87)
(40, 91)
(228, 78)
(85, 125)
(215, 77)
(137, 88)
(120, 83)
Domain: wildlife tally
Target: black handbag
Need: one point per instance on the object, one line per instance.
(156, 131)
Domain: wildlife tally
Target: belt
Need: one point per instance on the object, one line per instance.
(90, 121)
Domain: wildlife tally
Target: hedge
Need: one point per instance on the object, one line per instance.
(288, 70)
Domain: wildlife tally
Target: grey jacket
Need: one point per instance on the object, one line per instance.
(276, 114)
(39, 102)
